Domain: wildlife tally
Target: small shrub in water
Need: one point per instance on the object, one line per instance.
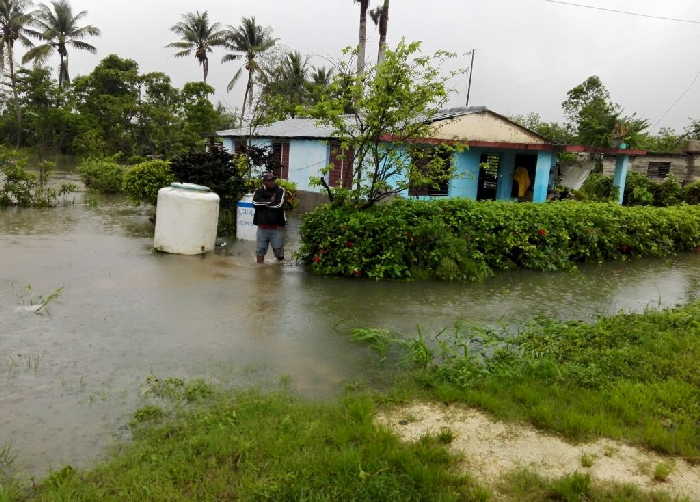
(142, 181)
(148, 414)
(102, 175)
(587, 460)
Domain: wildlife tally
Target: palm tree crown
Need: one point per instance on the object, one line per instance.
(197, 35)
(59, 31)
(247, 40)
(15, 20)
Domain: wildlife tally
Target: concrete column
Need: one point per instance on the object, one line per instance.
(504, 190)
(542, 172)
(466, 180)
(622, 166)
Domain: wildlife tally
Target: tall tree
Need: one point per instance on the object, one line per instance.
(247, 41)
(380, 16)
(362, 44)
(59, 31)
(197, 35)
(15, 19)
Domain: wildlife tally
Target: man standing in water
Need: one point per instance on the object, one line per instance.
(269, 217)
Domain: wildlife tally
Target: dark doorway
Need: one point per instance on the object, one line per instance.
(488, 176)
(524, 173)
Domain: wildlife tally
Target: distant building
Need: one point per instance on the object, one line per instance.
(504, 161)
(685, 166)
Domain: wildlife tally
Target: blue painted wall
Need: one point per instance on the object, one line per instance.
(306, 159)
(465, 184)
(504, 190)
(544, 168)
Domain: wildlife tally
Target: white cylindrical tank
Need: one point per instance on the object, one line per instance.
(245, 230)
(187, 217)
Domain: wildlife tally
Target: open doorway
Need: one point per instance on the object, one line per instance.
(524, 177)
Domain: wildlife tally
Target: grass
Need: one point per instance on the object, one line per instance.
(662, 471)
(526, 486)
(253, 446)
(631, 377)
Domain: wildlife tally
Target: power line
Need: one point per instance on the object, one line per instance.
(626, 12)
(678, 100)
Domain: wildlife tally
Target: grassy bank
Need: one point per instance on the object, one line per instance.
(632, 377)
(466, 240)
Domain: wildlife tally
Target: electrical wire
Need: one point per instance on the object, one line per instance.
(678, 100)
(626, 12)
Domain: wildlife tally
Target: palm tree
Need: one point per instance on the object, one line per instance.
(198, 36)
(60, 30)
(322, 76)
(250, 39)
(15, 20)
(380, 16)
(362, 45)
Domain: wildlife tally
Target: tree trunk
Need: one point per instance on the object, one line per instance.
(205, 64)
(247, 94)
(383, 30)
(362, 47)
(13, 84)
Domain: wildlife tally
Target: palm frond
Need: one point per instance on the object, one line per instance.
(38, 54)
(234, 80)
(83, 46)
(231, 57)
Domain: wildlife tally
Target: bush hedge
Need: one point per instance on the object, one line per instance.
(142, 181)
(466, 240)
(102, 175)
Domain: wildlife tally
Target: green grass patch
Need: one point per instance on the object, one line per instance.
(527, 486)
(254, 446)
(632, 377)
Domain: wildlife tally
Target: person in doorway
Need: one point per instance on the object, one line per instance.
(269, 217)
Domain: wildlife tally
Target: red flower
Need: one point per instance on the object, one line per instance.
(542, 232)
(317, 259)
(349, 244)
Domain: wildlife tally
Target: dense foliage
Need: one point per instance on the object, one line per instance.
(103, 175)
(465, 240)
(639, 191)
(113, 110)
(142, 181)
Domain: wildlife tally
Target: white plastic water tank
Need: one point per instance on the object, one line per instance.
(245, 230)
(187, 217)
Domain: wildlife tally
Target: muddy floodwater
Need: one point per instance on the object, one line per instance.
(70, 375)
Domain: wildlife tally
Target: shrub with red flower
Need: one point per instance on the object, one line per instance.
(542, 232)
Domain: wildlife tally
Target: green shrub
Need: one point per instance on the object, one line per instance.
(466, 240)
(691, 193)
(598, 188)
(668, 193)
(639, 190)
(102, 175)
(142, 182)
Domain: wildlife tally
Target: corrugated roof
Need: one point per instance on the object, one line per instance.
(290, 128)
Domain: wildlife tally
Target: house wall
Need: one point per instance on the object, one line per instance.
(484, 127)
(306, 159)
(681, 165)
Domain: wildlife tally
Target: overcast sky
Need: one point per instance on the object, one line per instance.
(529, 52)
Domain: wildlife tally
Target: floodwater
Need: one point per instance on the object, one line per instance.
(70, 375)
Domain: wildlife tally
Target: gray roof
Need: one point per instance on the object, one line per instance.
(309, 128)
(290, 128)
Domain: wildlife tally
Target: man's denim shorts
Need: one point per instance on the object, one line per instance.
(268, 236)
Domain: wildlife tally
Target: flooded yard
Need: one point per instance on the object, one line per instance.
(69, 377)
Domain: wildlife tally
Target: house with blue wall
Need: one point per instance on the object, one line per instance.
(502, 161)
